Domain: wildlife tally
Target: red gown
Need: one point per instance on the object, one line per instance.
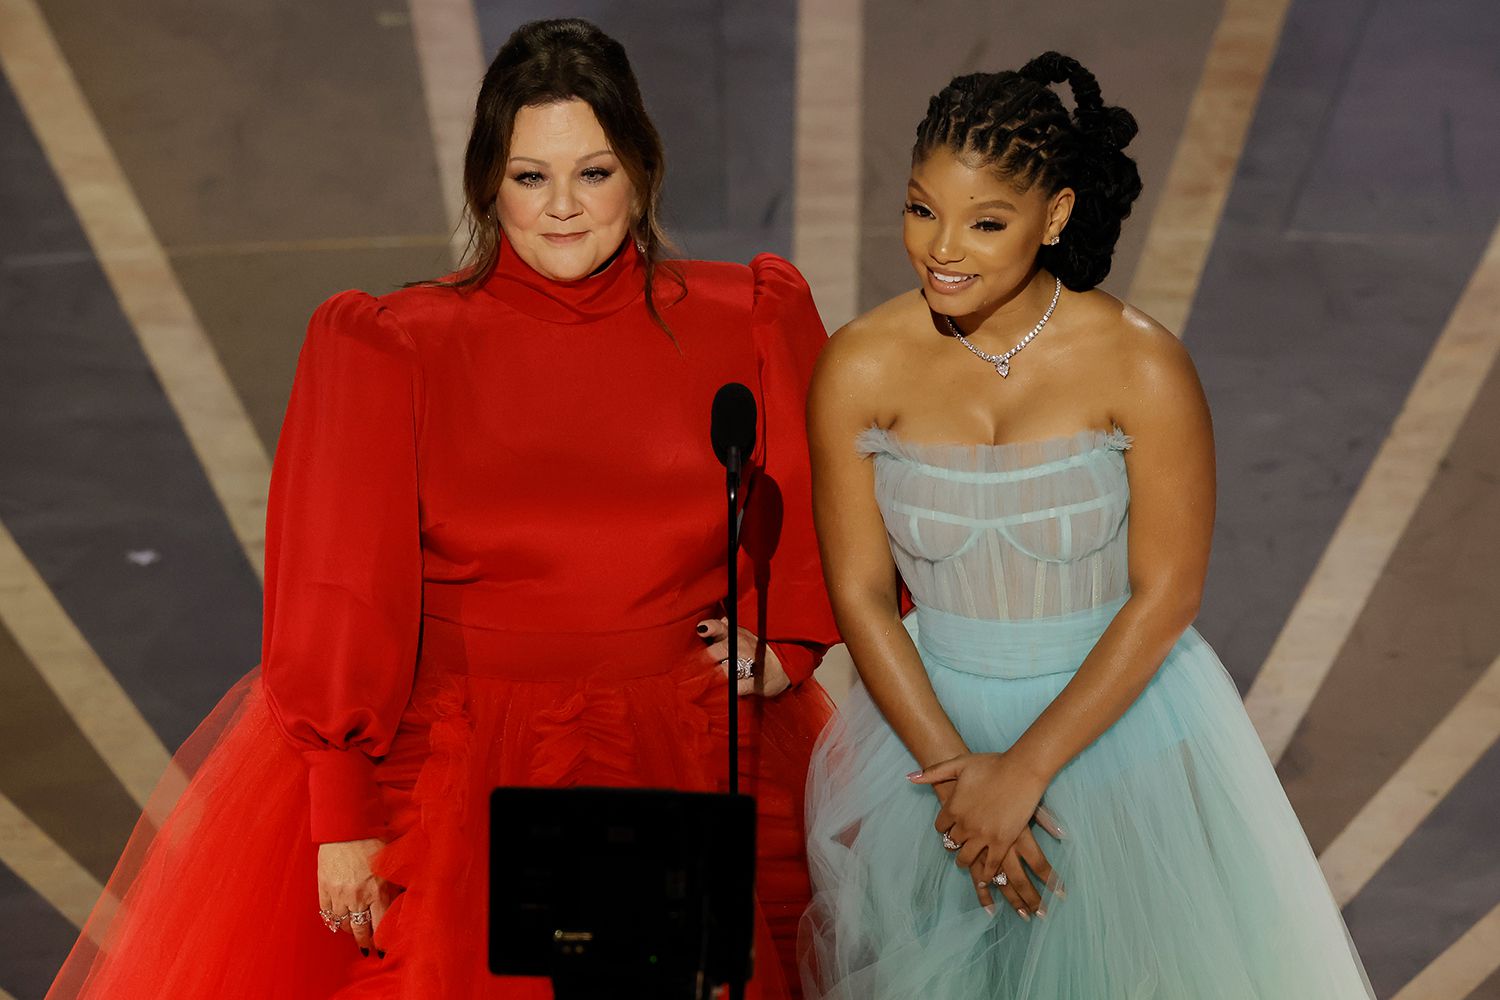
(495, 520)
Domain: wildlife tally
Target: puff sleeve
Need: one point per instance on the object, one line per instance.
(787, 596)
(343, 558)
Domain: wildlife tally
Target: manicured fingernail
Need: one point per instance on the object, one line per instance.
(379, 953)
(1048, 819)
(1056, 886)
(914, 776)
(365, 952)
(990, 909)
(1041, 911)
(702, 629)
(1023, 914)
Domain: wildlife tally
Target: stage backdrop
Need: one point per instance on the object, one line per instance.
(180, 184)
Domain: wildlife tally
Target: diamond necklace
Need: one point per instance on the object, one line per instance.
(1002, 361)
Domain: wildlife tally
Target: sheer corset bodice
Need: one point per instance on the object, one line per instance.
(1006, 532)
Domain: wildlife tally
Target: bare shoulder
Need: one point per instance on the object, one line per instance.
(871, 348)
(1141, 372)
(1127, 341)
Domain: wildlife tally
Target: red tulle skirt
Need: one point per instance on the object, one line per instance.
(216, 893)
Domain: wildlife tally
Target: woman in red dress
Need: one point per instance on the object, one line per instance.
(494, 553)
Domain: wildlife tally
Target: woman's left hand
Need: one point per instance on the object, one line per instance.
(769, 680)
(993, 799)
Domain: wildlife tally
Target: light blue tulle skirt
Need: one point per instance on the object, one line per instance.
(1187, 875)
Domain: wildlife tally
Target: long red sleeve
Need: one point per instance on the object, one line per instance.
(787, 596)
(343, 558)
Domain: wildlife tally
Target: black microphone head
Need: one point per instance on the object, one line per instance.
(733, 422)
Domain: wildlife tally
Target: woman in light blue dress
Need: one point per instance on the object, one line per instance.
(1053, 791)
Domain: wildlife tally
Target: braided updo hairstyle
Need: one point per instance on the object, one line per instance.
(1015, 123)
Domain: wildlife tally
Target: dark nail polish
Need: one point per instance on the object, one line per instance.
(365, 952)
(703, 630)
(379, 953)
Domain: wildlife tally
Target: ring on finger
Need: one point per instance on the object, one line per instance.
(359, 919)
(330, 921)
(950, 844)
(744, 668)
(1001, 879)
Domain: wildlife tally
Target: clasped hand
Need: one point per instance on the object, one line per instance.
(989, 801)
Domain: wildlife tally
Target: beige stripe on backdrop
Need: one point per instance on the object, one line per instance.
(1376, 518)
(1208, 155)
(138, 271)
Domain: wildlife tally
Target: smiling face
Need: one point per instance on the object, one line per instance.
(566, 203)
(973, 236)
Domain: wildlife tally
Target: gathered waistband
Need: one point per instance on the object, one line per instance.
(1011, 648)
(560, 656)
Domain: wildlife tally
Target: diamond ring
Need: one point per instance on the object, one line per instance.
(329, 920)
(744, 668)
(950, 843)
(359, 919)
(1001, 879)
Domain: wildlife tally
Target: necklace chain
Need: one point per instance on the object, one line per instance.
(1002, 361)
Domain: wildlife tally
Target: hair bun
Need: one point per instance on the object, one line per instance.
(1110, 127)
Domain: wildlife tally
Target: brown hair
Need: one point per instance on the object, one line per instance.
(560, 60)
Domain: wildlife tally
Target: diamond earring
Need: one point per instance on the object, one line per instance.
(1054, 241)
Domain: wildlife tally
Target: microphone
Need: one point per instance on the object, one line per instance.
(732, 425)
(731, 429)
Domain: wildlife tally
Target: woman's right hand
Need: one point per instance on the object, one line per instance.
(347, 885)
(1019, 891)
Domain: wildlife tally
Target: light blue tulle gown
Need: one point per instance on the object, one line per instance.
(1187, 875)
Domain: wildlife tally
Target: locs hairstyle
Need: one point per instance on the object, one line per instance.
(559, 60)
(1015, 123)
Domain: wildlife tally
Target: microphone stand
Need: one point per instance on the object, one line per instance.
(732, 427)
(732, 489)
(732, 470)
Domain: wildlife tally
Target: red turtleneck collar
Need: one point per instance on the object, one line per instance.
(595, 297)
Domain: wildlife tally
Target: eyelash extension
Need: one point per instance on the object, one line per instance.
(528, 178)
(983, 225)
(597, 175)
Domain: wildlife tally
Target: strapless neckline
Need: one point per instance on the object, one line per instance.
(1032, 455)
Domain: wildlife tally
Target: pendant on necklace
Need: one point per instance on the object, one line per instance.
(1002, 361)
